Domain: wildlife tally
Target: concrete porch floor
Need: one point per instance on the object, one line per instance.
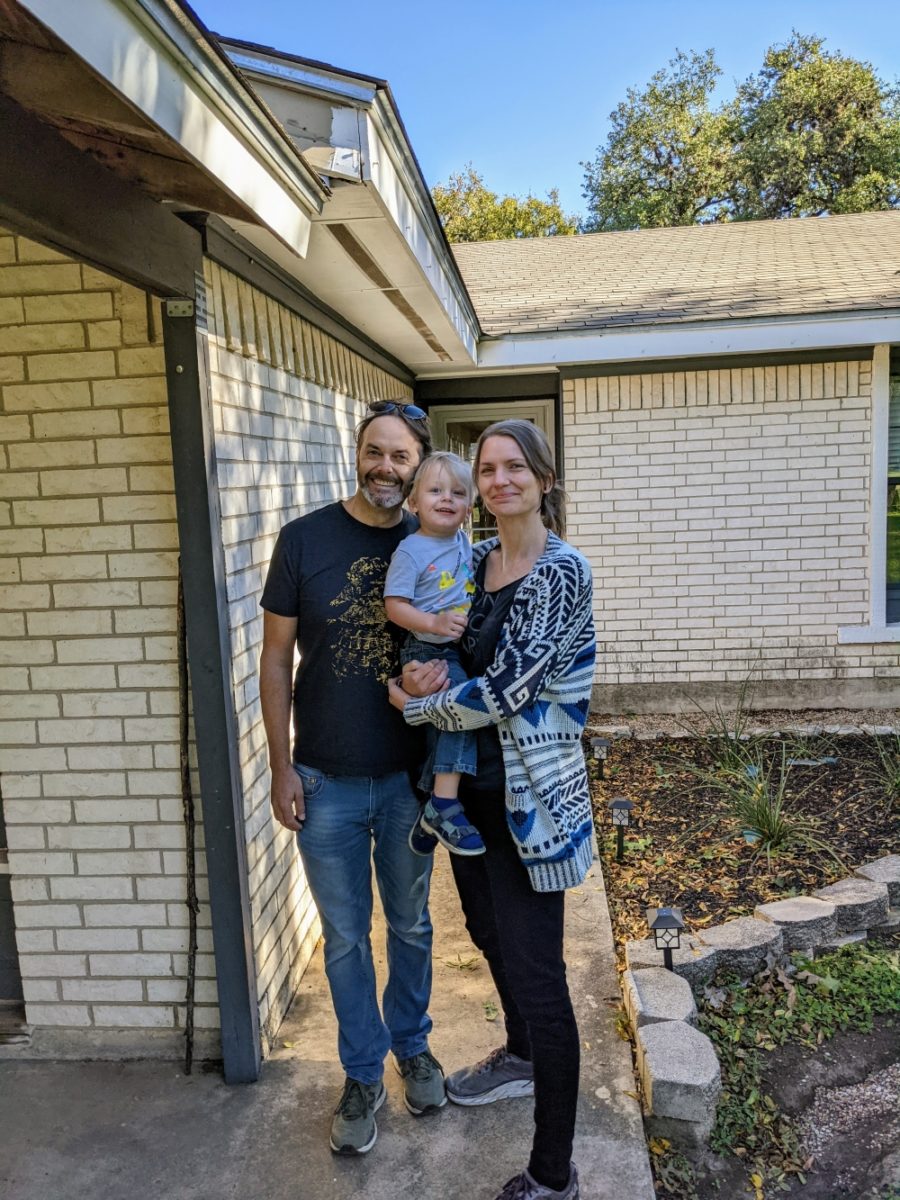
(144, 1131)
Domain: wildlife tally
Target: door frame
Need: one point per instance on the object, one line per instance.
(541, 411)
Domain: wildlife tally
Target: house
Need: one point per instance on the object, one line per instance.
(213, 255)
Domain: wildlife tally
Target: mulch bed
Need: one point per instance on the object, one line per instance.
(678, 852)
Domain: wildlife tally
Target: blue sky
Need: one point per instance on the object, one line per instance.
(524, 90)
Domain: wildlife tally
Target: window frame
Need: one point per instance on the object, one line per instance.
(877, 628)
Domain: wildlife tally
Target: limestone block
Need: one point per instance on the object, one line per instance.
(858, 903)
(846, 939)
(742, 945)
(804, 921)
(694, 962)
(611, 731)
(884, 870)
(656, 994)
(889, 927)
(679, 1071)
(684, 1135)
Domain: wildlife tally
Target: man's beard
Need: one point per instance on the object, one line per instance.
(382, 499)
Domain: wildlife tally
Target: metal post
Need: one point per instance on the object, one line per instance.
(203, 567)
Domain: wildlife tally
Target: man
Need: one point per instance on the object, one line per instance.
(346, 788)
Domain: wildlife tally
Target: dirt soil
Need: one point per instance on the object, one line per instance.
(680, 851)
(846, 1098)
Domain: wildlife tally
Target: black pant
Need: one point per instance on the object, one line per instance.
(520, 933)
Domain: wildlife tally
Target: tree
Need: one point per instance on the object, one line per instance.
(667, 157)
(815, 133)
(811, 133)
(470, 212)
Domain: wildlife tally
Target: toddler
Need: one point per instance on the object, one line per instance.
(428, 591)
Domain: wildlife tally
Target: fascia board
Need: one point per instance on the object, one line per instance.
(698, 340)
(389, 169)
(389, 182)
(384, 118)
(313, 79)
(150, 58)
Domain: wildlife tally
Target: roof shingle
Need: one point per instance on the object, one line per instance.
(691, 273)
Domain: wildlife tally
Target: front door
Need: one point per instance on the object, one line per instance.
(457, 427)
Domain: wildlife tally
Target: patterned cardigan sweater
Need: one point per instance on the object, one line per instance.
(537, 692)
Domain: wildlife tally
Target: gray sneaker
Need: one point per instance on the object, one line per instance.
(353, 1128)
(500, 1076)
(423, 1083)
(524, 1187)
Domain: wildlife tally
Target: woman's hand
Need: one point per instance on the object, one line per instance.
(424, 679)
(418, 679)
(398, 697)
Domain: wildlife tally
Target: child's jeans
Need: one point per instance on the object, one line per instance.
(449, 752)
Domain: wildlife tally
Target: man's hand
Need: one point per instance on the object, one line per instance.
(288, 801)
(424, 679)
(450, 624)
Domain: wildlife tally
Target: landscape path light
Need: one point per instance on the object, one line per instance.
(666, 926)
(600, 747)
(620, 808)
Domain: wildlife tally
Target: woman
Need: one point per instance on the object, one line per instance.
(529, 651)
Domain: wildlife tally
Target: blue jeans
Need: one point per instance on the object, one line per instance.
(449, 752)
(346, 816)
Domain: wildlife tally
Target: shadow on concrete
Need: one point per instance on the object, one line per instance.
(144, 1131)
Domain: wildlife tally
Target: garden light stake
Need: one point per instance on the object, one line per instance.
(620, 808)
(666, 926)
(600, 748)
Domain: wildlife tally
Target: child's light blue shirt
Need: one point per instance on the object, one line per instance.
(434, 574)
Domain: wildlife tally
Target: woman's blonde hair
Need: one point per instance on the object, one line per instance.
(460, 472)
(537, 454)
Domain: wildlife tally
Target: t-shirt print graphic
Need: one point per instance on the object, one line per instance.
(359, 641)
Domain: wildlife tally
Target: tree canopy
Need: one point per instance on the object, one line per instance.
(813, 132)
(470, 212)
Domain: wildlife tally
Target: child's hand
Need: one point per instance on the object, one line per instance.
(450, 624)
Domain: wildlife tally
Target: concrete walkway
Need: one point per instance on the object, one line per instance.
(144, 1131)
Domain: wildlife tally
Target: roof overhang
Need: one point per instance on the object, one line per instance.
(654, 343)
(175, 85)
(377, 254)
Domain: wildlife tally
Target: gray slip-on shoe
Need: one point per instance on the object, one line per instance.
(500, 1076)
(526, 1187)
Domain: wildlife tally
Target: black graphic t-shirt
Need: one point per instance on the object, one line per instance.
(328, 571)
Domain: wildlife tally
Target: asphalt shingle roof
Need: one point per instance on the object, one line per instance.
(692, 273)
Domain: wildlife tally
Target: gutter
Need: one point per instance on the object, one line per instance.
(709, 339)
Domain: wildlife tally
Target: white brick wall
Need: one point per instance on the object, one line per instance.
(286, 401)
(726, 515)
(89, 757)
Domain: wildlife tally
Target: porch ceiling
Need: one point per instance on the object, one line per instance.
(106, 75)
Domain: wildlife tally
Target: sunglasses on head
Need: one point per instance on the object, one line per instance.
(381, 407)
